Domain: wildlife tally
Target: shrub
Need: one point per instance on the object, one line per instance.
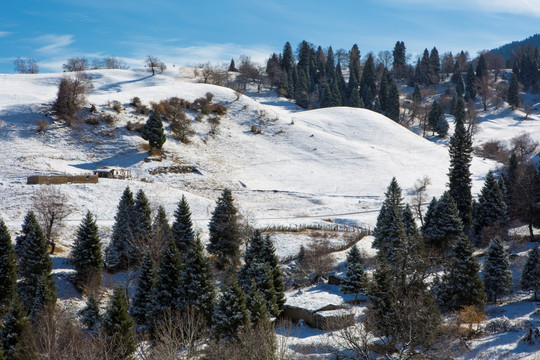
(255, 129)
(316, 258)
(109, 118)
(134, 126)
(209, 96)
(181, 128)
(140, 108)
(214, 122)
(92, 120)
(499, 325)
(218, 109)
(116, 106)
(42, 125)
(493, 149)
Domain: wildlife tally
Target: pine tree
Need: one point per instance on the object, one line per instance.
(232, 66)
(142, 220)
(435, 113)
(462, 285)
(434, 67)
(168, 282)
(416, 95)
(271, 260)
(399, 64)
(262, 274)
(119, 326)
(256, 304)
(389, 232)
(160, 227)
(460, 161)
(491, 207)
(497, 274)
(90, 314)
(368, 87)
(481, 67)
(392, 107)
(530, 276)
(86, 255)
(441, 127)
(225, 237)
(382, 302)
(182, 228)
(513, 93)
(231, 314)
(460, 86)
(34, 266)
(120, 254)
(470, 84)
(153, 131)
(355, 278)
(342, 85)
(442, 224)
(8, 266)
(14, 326)
(287, 62)
(141, 304)
(383, 90)
(197, 289)
(301, 89)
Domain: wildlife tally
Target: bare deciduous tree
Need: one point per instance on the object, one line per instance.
(76, 64)
(485, 90)
(28, 66)
(71, 96)
(153, 63)
(420, 196)
(51, 208)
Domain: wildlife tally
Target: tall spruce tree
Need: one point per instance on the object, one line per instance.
(442, 224)
(481, 67)
(142, 302)
(153, 131)
(142, 221)
(182, 227)
(8, 267)
(256, 304)
(121, 253)
(460, 161)
(197, 289)
(86, 255)
(272, 261)
(491, 206)
(224, 231)
(91, 314)
(119, 327)
(355, 280)
(392, 106)
(530, 275)
(36, 284)
(435, 113)
(513, 93)
(231, 314)
(15, 325)
(470, 84)
(399, 64)
(461, 284)
(161, 228)
(368, 87)
(389, 232)
(497, 275)
(342, 85)
(168, 282)
(434, 66)
(382, 302)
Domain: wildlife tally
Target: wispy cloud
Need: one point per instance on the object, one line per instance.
(4, 34)
(53, 43)
(516, 7)
(196, 54)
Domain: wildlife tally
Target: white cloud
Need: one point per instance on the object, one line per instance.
(4, 34)
(214, 53)
(53, 43)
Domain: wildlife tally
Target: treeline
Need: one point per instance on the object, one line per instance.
(175, 304)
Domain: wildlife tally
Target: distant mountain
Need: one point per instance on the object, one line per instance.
(506, 50)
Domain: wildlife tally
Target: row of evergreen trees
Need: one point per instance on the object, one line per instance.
(316, 80)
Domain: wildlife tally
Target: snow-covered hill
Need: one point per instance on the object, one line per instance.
(330, 165)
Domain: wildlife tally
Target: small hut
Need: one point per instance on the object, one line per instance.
(113, 172)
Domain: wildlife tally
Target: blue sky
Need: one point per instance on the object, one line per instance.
(191, 32)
